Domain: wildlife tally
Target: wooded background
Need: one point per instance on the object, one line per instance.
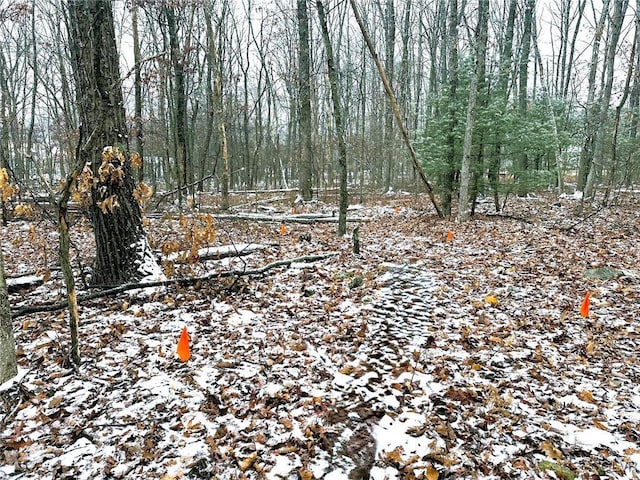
(503, 96)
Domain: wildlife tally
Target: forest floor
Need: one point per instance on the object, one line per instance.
(420, 358)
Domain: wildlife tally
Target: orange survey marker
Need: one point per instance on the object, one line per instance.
(184, 353)
(584, 308)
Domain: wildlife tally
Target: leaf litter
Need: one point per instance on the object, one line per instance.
(441, 351)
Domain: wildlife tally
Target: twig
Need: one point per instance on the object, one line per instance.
(52, 307)
(582, 220)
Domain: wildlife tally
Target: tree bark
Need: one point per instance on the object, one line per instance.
(219, 110)
(449, 175)
(8, 366)
(480, 60)
(137, 89)
(591, 108)
(122, 253)
(523, 81)
(389, 68)
(304, 102)
(180, 111)
(337, 115)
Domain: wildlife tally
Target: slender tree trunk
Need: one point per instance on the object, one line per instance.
(304, 102)
(523, 81)
(616, 124)
(8, 366)
(64, 243)
(506, 56)
(592, 107)
(4, 129)
(210, 116)
(449, 175)
(180, 99)
(389, 68)
(572, 49)
(219, 109)
(480, 60)
(337, 115)
(137, 86)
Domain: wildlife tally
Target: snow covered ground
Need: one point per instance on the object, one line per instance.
(421, 358)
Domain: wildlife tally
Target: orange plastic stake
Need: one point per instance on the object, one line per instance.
(396, 210)
(584, 308)
(183, 346)
(283, 229)
(449, 236)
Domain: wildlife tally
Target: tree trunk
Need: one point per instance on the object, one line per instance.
(8, 367)
(337, 115)
(122, 253)
(304, 102)
(389, 68)
(449, 175)
(523, 80)
(180, 110)
(620, 7)
(506, 53)
(137, 86)
(219, 115)
(480, 60)
(591, 108)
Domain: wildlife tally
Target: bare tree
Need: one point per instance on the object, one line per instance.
(304, 102)
(479, 69)
(337, 116)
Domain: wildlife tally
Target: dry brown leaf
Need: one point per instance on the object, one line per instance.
(550, 450)
(395, 455)
(491, 300)
(586, 396)
(248, 462)
(432, 473)
(600, 425)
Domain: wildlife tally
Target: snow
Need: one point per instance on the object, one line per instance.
(412, 369)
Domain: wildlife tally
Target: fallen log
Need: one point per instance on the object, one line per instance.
(15, 284)
(302, 218)
(219, 252)
(53, 307)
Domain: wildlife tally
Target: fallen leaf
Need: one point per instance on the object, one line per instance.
(550, 450)
(395, 455)
(305, 474)
(586, 396)
(432, 473)
(491, 300)
(590, 348)
(248, 462)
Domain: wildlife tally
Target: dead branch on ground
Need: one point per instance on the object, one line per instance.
(53, 307)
